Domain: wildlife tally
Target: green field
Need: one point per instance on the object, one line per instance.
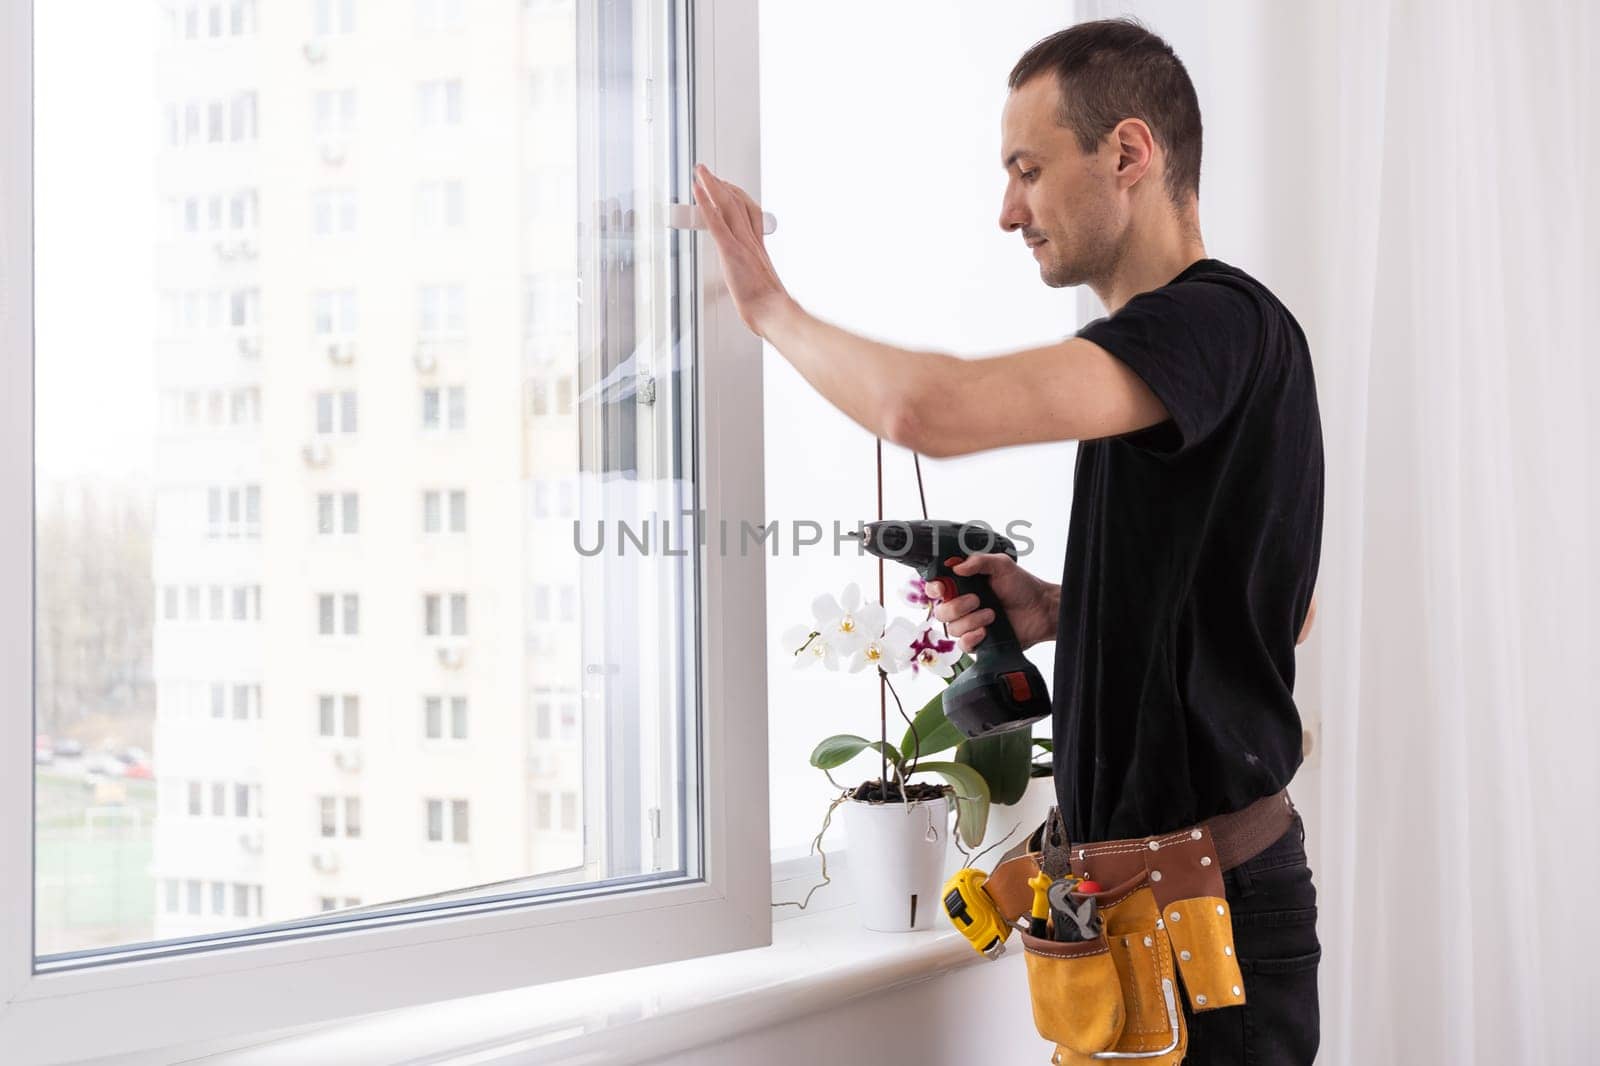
(93, 883)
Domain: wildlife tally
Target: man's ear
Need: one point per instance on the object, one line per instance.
(1136, 150)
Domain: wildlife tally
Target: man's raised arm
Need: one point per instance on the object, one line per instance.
(936, 404)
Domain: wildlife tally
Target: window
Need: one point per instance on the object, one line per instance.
(438, 16)
(442, 311)
(334, 312)
(444, 511)
(338, 614)
(338, 715)
(233, 511)
(439, 103)
(329, 17)
(333, 113)
(444, 615)
(335, 412)
(338, 514)
(441, 205)
(444, 408)
(447, 821)
(333, 212)
(239, 344)
(339, 816)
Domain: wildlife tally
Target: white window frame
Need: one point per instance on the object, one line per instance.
(279, 979)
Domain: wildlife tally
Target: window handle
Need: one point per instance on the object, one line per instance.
(687, 216)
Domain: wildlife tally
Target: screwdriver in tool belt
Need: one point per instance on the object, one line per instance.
(1037, 919)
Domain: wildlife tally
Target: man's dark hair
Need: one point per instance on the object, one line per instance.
(1115, 69)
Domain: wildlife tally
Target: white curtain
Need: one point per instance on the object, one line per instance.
(1418, 179)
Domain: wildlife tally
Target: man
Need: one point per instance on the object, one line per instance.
(1197, 500)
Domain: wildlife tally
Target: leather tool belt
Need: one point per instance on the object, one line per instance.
(1164, 914)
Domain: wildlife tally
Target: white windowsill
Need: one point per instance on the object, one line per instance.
(819, 959)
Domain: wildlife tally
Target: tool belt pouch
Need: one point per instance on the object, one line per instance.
(1119, 993)
(1077, 1000)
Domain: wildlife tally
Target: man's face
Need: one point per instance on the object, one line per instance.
(1063, 202)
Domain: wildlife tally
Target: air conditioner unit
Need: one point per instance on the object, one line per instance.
(348, 759)
(250, 347)
(342, 353)
(244, 249)
(425, 359)
(315, 52)
(325, 861)
(452, 656)
(333, 153)
(223, 249)
(251, 841)
(317, 453)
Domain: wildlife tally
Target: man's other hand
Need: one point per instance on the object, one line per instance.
(1030, 604)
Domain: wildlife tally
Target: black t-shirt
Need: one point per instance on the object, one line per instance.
(1191, 558)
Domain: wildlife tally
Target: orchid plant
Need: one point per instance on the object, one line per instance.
(848, 632)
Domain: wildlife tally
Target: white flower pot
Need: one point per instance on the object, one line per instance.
(897, 862)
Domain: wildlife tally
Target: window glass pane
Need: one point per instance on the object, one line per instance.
(239, 380)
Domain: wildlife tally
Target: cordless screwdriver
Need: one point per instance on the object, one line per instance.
(1001, 690)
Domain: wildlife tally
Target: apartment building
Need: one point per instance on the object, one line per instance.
(367, 642)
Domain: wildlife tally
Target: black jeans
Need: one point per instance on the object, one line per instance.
(1275, 933)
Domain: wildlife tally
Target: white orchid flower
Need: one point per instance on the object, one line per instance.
(889, 651)
(846, 623)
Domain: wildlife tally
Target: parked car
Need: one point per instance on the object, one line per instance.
(102, 763)
(69, 748)
(43, 756)
(140, 771)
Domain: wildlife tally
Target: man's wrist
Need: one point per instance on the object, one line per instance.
(776, 317)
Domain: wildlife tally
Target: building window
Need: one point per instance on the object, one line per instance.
(441, 205)
(338, 513)
(444, 511)
(541, 719)
(444, 615)
(542, 810)
(233, 511)
(330, 808)
(335, 411)
(569, 722)
(434, 709)
(338, 614)
(333, 312)
(439, 103)
(246, 701)
(444, 408)
(451, 830)
(333, 113)
(333, 212)
(441, 311)
(569, 812)
(333, 17)
(437, 16)
(338, 715)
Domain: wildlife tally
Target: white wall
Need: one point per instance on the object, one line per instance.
(880, 127)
